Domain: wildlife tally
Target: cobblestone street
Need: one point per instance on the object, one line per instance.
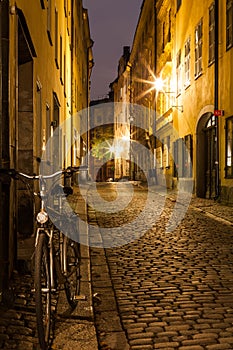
(166, 290)
(161, 290)
(18, 318)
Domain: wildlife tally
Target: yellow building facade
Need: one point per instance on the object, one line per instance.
(201, 66)
(46, 56)
(185, 49)
(133, 87)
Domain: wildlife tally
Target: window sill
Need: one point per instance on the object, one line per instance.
(210, 63)
(198, 75)
(229, 47)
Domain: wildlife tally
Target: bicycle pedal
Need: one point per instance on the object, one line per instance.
(80, 297)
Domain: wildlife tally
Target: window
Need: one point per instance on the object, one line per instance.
(161, 103)
(188, 156)
(65, 76)
(229, 24)
(198, 49)
(65, 7)
(211, 34)
(166, 152)
(56, 38)
(159, 156)
(210, 122)
(42, 4)
(48, 123)
(61, 61)
(187, 62)
(183, 155)
(49, 21)
(169, 26)
(179, 2)
(178, 72)
(229, 147)
(163, 42)
(56, 144)
(38, 119)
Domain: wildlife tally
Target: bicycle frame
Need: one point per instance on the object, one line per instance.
(55, 265)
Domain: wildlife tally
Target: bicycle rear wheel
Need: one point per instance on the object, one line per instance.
(42, 290)
(71, 270)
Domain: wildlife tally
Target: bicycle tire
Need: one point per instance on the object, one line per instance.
(72, 270)
(42, 290)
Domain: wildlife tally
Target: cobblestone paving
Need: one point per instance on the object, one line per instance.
(18, 320)
(173, 290)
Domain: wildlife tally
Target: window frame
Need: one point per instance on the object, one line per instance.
(49, 21)
(183, 157)
(42, 2)
(187, 60)
(229, 24)
(198, 34)
(178, 4)
(211, 34)
(56, 39)
(178, 73)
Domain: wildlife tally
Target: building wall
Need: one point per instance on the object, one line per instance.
(225, 102)
(50, 60)
(198, 98)
(164, 47)
(134, 86)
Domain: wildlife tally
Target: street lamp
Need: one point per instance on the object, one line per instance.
(159, 87)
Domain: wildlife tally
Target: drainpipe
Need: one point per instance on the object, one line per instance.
(155, 66)
(72, 87)
(216, 94)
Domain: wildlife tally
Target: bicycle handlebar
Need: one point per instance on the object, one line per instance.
(69, 171)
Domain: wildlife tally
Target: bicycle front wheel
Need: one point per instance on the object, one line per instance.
(42, 290)
(71, 270)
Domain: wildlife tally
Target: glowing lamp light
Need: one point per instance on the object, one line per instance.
(159, 84)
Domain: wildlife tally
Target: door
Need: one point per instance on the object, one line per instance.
(210, 153)
(205, 157)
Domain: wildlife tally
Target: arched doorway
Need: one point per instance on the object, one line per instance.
(206, 153)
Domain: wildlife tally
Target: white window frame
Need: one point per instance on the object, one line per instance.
(198, 48)
(211, 34)
(187, 62)
(179, 72)
(229, 24)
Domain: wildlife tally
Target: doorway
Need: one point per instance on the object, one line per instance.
(206, 154)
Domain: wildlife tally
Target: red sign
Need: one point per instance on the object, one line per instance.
(218, 112)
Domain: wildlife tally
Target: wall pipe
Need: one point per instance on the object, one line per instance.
(216, 95)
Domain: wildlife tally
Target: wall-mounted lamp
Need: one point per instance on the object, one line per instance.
(180, 108)
(159, 86)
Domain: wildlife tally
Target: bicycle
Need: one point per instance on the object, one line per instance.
(57, 255)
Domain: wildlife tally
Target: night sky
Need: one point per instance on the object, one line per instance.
(112, 25)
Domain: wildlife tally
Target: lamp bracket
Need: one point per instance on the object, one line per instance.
(180, 108)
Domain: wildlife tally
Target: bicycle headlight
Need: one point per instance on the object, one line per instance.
(42, 217)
